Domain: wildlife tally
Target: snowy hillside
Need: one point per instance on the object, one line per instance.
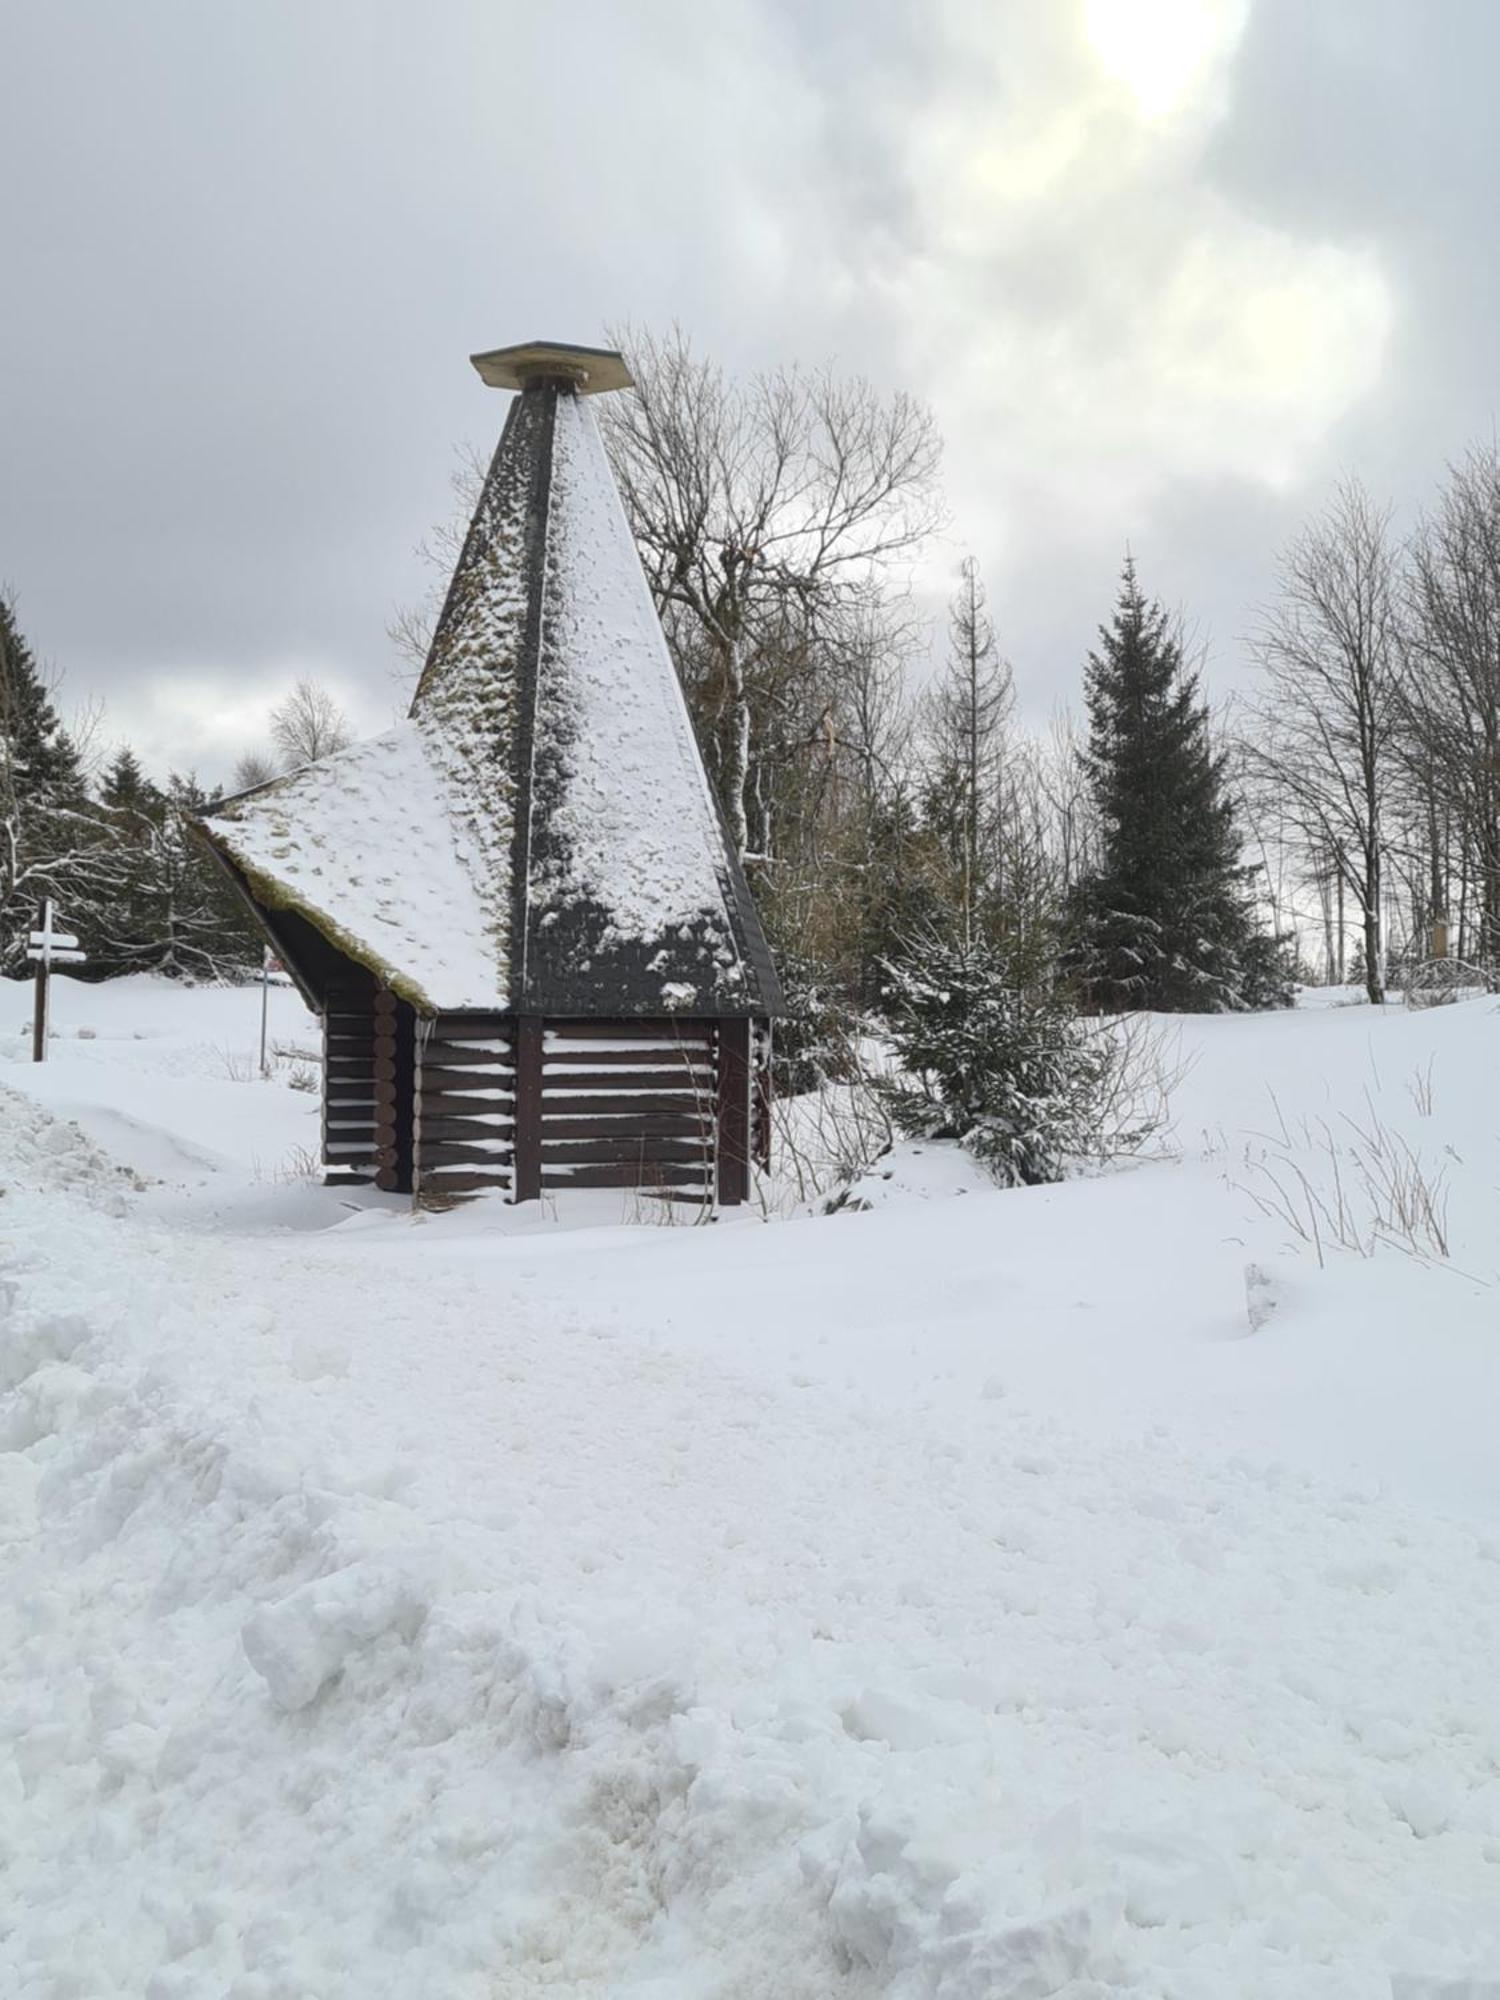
(1084, 1591)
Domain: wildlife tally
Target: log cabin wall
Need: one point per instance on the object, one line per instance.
(349, 1142)
(464, 1109)
(395, 1036)
(523, 1107)
(629, 1103)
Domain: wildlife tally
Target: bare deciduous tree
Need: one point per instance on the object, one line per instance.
(254, 768)
(1330, 713)
(309, 724)
(1454, 695)
(762, 510)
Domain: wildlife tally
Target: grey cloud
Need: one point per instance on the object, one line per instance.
(247, 251)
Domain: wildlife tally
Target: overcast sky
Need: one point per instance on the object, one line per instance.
(1164, 269)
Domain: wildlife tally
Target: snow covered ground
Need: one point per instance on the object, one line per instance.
(1085, 1591)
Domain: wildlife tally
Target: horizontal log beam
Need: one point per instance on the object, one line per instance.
(623, 1176)
(590, 1152)
(462, 1180)
(450, 1154)
(589, 1103)
(647, 1124)
(686, 1061)
(441, 1078)
(463, 1104)
(465, 1055)
(440, 1128)
(613, 1028)
(586, 1077)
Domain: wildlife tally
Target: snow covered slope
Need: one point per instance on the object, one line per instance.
(957, 1601)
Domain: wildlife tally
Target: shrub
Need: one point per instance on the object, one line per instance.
(1016, 1078)
(813, 1039)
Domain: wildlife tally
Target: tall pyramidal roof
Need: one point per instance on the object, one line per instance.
(539, 835)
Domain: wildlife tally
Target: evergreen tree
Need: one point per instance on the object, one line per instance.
(1166, 920)
(1013, 1076)
(39, 757)
(50, 840)
(969, 709)
(126, 787)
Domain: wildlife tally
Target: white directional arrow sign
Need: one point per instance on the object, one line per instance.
(49, 947)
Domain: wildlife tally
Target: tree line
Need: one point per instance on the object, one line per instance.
(1345, 817)
(108, 844)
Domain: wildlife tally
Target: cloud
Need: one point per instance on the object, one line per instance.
(202, 719)
(1093, 316)
(1109, 240)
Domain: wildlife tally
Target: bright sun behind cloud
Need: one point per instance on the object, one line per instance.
(1161, 50)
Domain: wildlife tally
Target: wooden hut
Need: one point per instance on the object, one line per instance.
(533, 951)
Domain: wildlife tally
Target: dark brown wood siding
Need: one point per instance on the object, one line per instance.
(526, 1107)
(349, 1142)
(465, 1105)
(629, 1103)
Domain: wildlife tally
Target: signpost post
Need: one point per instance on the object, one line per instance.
(48, 947)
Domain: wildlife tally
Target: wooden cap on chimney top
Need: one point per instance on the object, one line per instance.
(590, 370)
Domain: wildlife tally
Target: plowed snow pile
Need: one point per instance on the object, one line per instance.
(957, 1601)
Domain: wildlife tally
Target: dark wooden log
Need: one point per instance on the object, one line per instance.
(463, 1180)
(590, 1100)
(648, 1124)
(527, 1184)
(462, 1125)
(661, 1026)
(626, 1175)
(734, 1112)
(452, 1155)
(591, 1152)
(384, 1069)
(689, 1082)
(474, 1027)
(439, 1077)
(687, 1062)
(350, 1089)
(385, 1002)
(465, 1055)
(485, 1110)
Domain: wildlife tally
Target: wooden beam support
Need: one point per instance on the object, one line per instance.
(527, 1185)
(734, 1112)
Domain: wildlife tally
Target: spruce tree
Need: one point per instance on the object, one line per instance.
(1165, 921)
(49, 836)
(38, 754)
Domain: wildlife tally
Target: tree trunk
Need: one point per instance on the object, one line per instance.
(1374, 954)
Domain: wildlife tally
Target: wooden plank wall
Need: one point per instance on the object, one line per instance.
(395, 1037)
(465, 1105)
(629, 1104)
(349, 1144)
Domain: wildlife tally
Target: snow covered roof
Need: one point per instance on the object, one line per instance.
(539, 835)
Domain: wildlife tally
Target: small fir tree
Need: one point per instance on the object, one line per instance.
(1012, 1075)
(968, 712)
(1165, 921)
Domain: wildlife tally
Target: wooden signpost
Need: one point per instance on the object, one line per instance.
(48, 947)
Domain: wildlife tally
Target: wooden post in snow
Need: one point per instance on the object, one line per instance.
(47, 947)
(733, 1147)
(526, 1170)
